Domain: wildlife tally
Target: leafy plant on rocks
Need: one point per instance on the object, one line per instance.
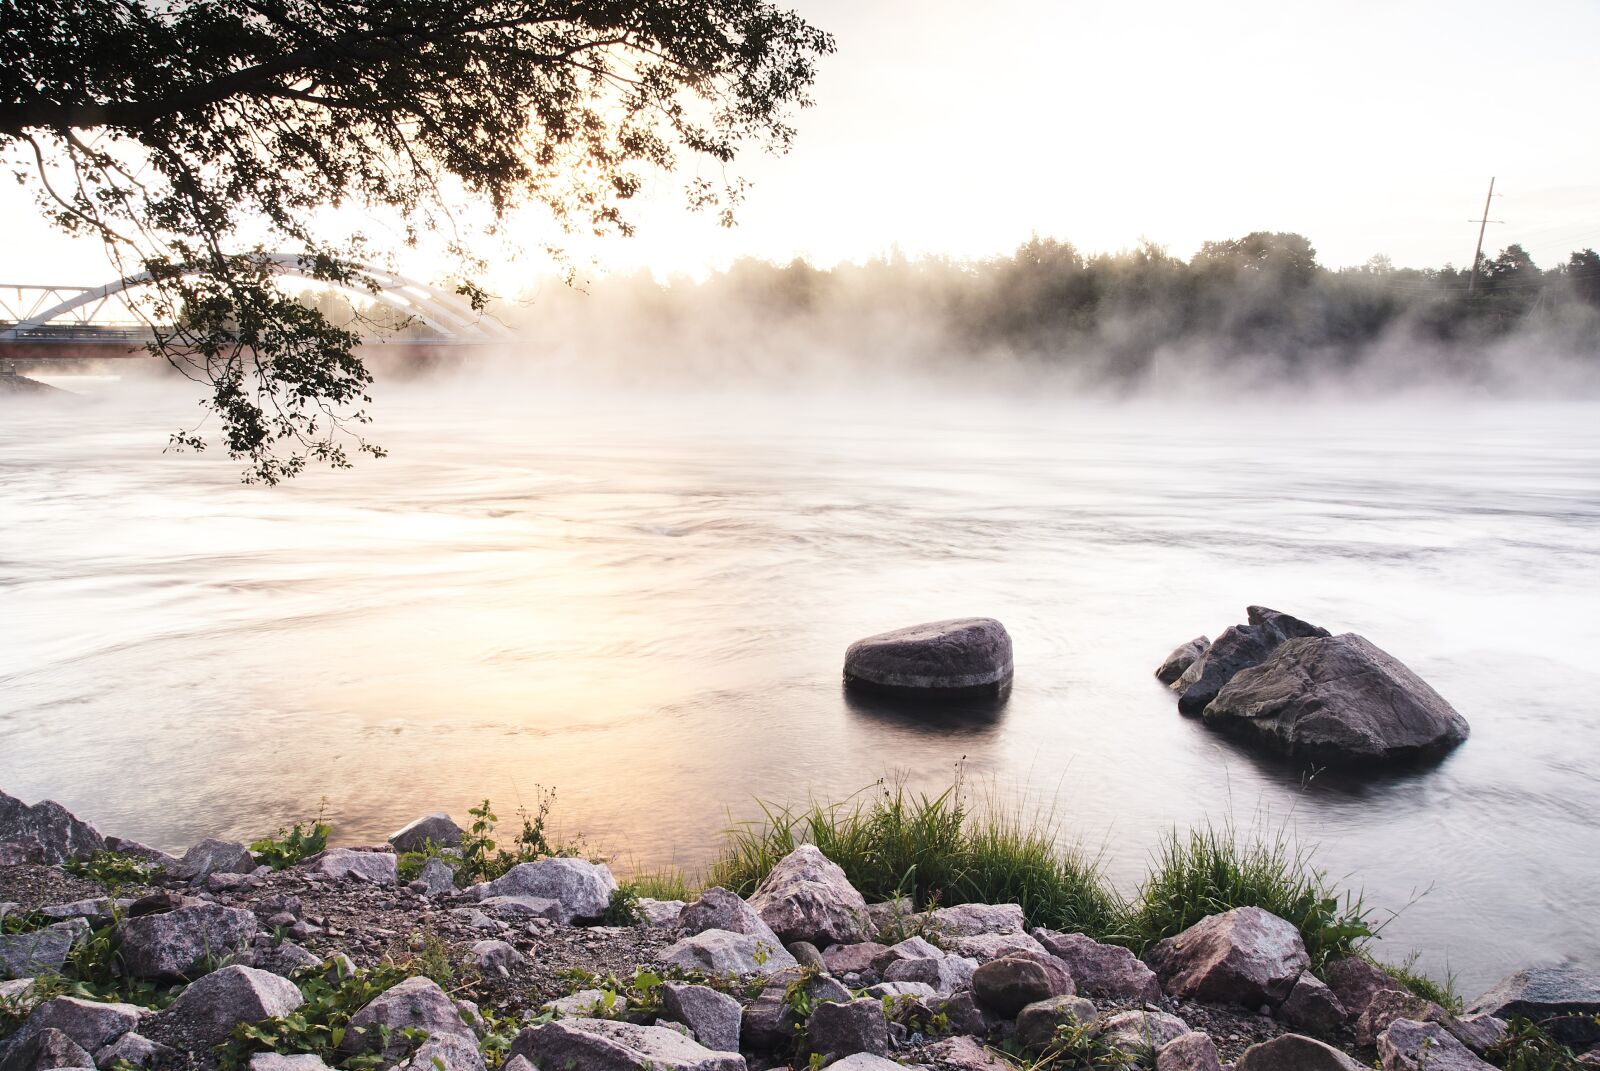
(1441, 993)
(113, 870)
(1077, 1047)
(623, 909)
(499, 1031)
(333, 995)
(410, 864)
(482, 859)
(24, 922)
(1526, 1046)
(294, 844)
(642, 991)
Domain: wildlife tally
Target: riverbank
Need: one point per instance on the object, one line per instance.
(445, 949)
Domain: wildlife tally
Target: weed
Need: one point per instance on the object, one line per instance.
(410, 864)
(113, 870)
(294, 844)
(24, 922)
(1076, 1046)
(1527, 1047)
(623, 909)
(1441, 993)
(432, 959)
(332, 998)
(484, 860)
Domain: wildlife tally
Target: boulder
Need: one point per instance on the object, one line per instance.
(1565, 998)
(1101, 970)
(1181, 659)
(183, 943)
(853, 958)
(1408, 1045)
(445, 1053)
(1038, 1022)
(1311, 1005)
(1136, 1032)
(806, 897)
(416, 1002)
(836, 1030)
(282, 958)
(212, 856)
(889, 921)
(1194, 1051)
(712, 1016)
(988, 946)
(769, 1021)
(974, 920)
(1295, 1052)
(946, 974)
(206, 1012)
(1246, 956)
(345, 864)
(1007, 985)
(47, 1049)
(533, 907)
(1238, 648)
(893, 990)
(436, 878)
(604, 1045)
(136, 1050)
(59, 835)
(866, 1061)
(90, 1024)
(726, 952)
(968, 656)
(583, 889)
(1338, 699)
(21, 853)
(1477, 1032)
(910, 948)
(719, 909)
(659, 912)
(21, 994)
(1355, 982)
(496, 957)
(23, 955)
(805, 953)
(436, 828)
(1389, 1005)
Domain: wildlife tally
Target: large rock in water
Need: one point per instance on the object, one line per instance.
(1239, 647)
(965, 656)
(1338, 699)
(1565, 998)
(58, 833)
(1246, 956)
(1181, 659)
(807, 897)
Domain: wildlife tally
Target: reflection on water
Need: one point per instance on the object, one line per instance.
(644, 602)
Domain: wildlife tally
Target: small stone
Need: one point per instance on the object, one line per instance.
(1181, 659)
(604, 1045)
(58, 834)
(273, 1061)
(345, 864)
(966, 1053)
(866, 1061)
(42, 951)
(852, 958)
(807, 897)
(135, 1050)
(1312, 1006)
(946, 974)
(1389, 1005)
(910, 948)
(523, 907)
(445, 1053)
(1563, 998)
(497, 957)
(990, 946)
(1010, 983)
(90, 1024)
(1101, 970)
(211, 856)
(973, 920)
(1477, 1032)
(47, 1049)
(713, 1017)
(725, 952)
(416, 1002)
(436, 878)
(588, 1003)
(1355, 982)
(436, 828)
(583, 889)
(719, 909)
(1137, 1032)
(659, 912)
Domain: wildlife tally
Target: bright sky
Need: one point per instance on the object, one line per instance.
(947, 127)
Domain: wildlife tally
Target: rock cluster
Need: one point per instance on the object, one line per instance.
(1294, 687)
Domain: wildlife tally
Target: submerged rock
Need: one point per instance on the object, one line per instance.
(1338, 698)
(967, 656)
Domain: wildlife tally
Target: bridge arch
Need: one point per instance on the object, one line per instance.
(439, 309)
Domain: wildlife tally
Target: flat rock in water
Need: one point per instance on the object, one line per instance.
(967, 656)
(1338, 699)
(1238, 648)
(58, 833)
(1565, 997)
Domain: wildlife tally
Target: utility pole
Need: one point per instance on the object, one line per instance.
(1472, 279)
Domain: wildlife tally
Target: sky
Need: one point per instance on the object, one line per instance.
(950, 128)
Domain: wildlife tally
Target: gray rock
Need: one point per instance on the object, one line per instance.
(1477, 1032)
(889, 921)
(1355, 982)
(604, 1045)
(97, 911)
(946, 974)
(1238, 648)
(1038, 1022)
(805, 953)
(22, 994)
(1408, 1045)
(182, 943)
(344, 864)
(436, 878)
(1009, 984)
(966, 656)
(836, 1030)
(1246, 956)
(852, 958)
(768, 1023)
(416, 1002)
(725, 952)
(900, 989)
(588, 1003)
(1338, 699)
(23, 955)
(212, 856)
(1136, 1032)
(1294, 1052)
(282, 958)
(966, 1053)
(866, 1061)
(1194, 1051)
(1387, 1006)
(719, 909)
(143, 853)
(47, 1049)
(966, 1016)
(135, 1050)
(445, 1053)
(90, 1024)
(990, 946)
(910, 948)
(1564, 997)
(497, 957)
(583, 889)
(1312, 1006)
(59, 835)
(712, 1016)
(208, 1009)
(806, 897)
(436, 827)
(974, 920)
(21, 853)
(537, 907)
(273, 1061)
(660, 912)
(1101, 970)
(1181, 659)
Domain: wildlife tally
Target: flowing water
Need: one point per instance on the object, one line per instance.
(642, 601)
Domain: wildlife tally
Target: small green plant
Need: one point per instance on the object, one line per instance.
(410, 864)
(319, 1026)
(294, 844)
(642, 991)
(1526, 1046)
(482, 859)
(664, 883)
(24, 922)
(432, 959)
(623, 910)
(1441, 993)
(113, 870)
(1078, 1047)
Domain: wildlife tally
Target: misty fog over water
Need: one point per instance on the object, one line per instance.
(643, 599)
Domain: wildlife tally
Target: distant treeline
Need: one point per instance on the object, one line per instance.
(1262, 299)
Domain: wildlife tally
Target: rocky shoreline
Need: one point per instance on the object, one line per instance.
(116, 955)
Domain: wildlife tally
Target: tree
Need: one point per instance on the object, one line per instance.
(194, 137)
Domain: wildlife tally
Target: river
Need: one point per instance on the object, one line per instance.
(642, 600)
